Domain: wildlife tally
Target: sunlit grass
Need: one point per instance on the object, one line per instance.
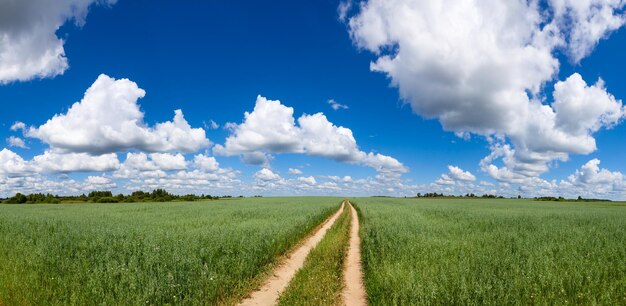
(147, 253)
(495, 252)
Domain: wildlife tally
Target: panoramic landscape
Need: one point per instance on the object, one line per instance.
(335, 152)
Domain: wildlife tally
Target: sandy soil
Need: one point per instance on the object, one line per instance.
(272, 288)
(354, 290)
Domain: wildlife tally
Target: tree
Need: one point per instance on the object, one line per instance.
(17, 199)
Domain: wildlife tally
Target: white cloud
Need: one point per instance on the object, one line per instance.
(586, 22)
(108, 119)
(206, 163)
(266, 174)
(271, 128)
(213, 125)
(343, 9)
(140, 164)
(591, 180)
(201, 175)
(60, 185)
(336, 105)
(29, 47)
(455, 176)
(99, 183)
(13, 141)
(309, 180)
(481, 67)
(294, 171)
(165, 161)
(581, 109)
(256, 158)
(458, 174)
(18, 125)
(12, 164)
(52, 161)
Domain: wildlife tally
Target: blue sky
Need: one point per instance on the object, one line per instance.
(212, 59)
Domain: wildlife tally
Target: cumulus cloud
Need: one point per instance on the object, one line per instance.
(295, 171)
(108, 119)
(165, 161)
(458, 174)
(343, 9)
(206, 163)
(213, 125)
(13, 141)
(99, 183)
(29, 46)
(591, 180)
(481, 67)
(271, 129)
(584, 23)
(256, 158)
(336, 105)
(18, 125)
(137, 165)
(266, 174)
(52, 161)
(309, 180)
(61, 185)
(454, 176)
(12, 164)
(581, 110)
(202, 174)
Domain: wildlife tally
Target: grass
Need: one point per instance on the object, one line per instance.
(494, 252)
(320, 280)
(147, 253)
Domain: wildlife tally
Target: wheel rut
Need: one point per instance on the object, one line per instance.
(281, 276)
(354, 290)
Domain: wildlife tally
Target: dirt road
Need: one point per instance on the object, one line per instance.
(280, 277)
(354, 290)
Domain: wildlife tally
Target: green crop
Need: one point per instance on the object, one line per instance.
(493, 252)
(149, 253)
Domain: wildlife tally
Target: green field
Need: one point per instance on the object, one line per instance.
(414, 251)
(472, 251)
(147, 253)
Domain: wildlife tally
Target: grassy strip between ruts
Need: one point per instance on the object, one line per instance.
(200, 253)
(320, 280)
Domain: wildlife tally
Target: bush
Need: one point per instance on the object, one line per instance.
(107, 200)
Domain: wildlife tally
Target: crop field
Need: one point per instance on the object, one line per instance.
(148, 253)
(414, 251)
(473, 251)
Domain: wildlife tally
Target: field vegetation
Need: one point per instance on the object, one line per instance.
(200, 253)
(493, 251)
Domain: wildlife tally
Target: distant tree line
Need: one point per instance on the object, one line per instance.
(562, 199)
(491, 196)
(157, 195)
(469, 195)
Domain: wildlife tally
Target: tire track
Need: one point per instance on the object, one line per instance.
(281, 276)
(354, 290)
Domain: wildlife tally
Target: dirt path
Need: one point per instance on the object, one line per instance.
(280, 277)
(354, 291)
